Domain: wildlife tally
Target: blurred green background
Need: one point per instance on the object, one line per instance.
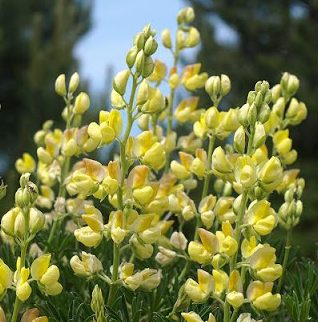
(248, 40)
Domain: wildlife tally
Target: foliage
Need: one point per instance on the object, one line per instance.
(37, 40)
(127, 241)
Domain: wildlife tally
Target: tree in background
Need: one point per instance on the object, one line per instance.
(263, 39)
(37, 39)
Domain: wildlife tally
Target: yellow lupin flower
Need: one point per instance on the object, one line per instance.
(93, 218)
(46, 197)
(203, 252)
(46, 275)
(150, 279)
(141, 250)
(249, 246)
(88, 237)
(221, 281)
(220, 163)
(182, 169)
(263, 262)
(296, 112)
(87, 266)
(261, 216)
(206, 210)
(25, 164)
(23, 289)
(33, 315)
(228, 244)
(116, 224)
(200, 128)
(245, 172)
(193, 317)
(270, 174)
(198, 165)
(260, 295)
(155, 102)
(187, 110)
(235, 295)
(289, 177)
(192, 79)
(159, 72)
(69, 146)
(85, 178)
(201, 290)
(223, 209)
(6, 277)
(227, 123)
(149, 150)
(283, 145)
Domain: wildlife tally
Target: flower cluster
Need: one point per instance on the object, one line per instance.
(216, 178)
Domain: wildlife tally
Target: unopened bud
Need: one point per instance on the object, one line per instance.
(74, 82)
(151, 46)
(225, 85)
(120, 81)
(60, 87)
(131, 56)
(259, 136)
(239, 140)
(82, 103)
(166, 38)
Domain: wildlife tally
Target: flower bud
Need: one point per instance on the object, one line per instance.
(140, 59)
(82, 103)
(191, 317)
(211, 118)
(225, 85)
(37, 220)
(131, 56)
(151, 46)
(143, 93)
(193, 37)
(276, 92)
(259, 135)
(178, 240)
(139, 40)
(181, 40)
(74, 82)
(290, 84)
(148, 67)
(213, 86)
(296, 112)
(60, 87)
(242, 115)
(141, 250)
(87, 266)
(120, 81)
(3, 189)
(252, 114)
(166, 38)
(117, 100)
(235, 299)
(239, 140)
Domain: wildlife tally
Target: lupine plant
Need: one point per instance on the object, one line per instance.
(178, 225)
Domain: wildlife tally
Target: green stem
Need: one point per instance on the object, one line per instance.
(62, 193)
(116, 260)
(239, 222)
(208, 176)
(24, 247)
(285, 260)
(170, 108)
(124, 170)
(226, 312)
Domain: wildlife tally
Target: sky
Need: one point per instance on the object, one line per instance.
(114, 24)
